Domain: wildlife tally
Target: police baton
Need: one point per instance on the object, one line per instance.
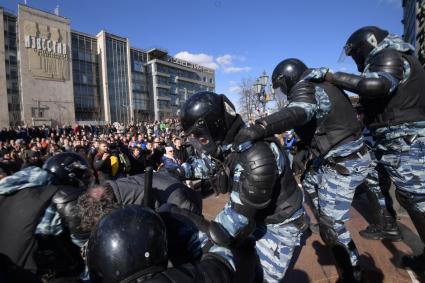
(148, 200)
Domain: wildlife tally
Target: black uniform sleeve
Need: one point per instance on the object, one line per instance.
(290, 117)
(388, 62)
(211, 269)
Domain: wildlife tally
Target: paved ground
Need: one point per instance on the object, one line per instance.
(379, 259)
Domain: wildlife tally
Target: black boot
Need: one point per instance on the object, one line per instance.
(384, 225)
(387, 230)
(391, 231)
(372, 232)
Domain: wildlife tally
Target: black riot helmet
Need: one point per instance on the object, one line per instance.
(129, 242)
(362, 42)
(206, 118)
(68, 168)
(287, 73)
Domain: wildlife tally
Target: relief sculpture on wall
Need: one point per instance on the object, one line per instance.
(48, 52)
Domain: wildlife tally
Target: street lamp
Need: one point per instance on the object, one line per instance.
(260, 90)
(264, 79)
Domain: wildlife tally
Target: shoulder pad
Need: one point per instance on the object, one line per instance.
(302, 91)
(303, 86)
(256, 156)
(67, 194)
(388, 61)
(258, 176)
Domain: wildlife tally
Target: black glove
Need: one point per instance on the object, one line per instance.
(215, 231)
(253, 133)
(220, 181)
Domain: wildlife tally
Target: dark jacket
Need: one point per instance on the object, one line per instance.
(181, 154)
(166, 189)
(153, 159)
(104, 167)
(137, 164)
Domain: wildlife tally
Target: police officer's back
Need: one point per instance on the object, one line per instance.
(40, 202)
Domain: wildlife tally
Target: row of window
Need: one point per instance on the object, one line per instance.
(116, 53)
(12, 78)
(177, 72)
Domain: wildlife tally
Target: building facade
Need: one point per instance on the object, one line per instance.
(414, 26)
(50, 74)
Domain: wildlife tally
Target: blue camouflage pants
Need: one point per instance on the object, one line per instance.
(405, 164)
(332, 188)
(275, 243)
(378, 184)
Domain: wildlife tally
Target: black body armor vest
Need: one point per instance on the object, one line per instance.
(20, 214)
(407, 104)
(339, 126)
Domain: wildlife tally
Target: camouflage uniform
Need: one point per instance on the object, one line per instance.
(274, 243)
(331, 185)
(401, 148)
(391, 90)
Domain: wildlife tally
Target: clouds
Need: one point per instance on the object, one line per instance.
(225, 59)
(232, 69)
(225, 63)
(234, 88)
(200, 59)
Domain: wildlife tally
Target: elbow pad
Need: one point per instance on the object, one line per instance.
(281, 121)
(221, 237)
(374, 87)
(370, 87)
(346, 81)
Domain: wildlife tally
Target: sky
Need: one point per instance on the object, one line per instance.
(238, 38)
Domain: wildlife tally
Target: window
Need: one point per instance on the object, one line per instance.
(163, 104)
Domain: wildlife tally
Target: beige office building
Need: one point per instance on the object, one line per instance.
(50, 74)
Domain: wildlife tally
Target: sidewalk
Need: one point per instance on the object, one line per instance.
(379, 259)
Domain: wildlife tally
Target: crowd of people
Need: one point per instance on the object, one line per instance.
(132, 148)
(89, 189)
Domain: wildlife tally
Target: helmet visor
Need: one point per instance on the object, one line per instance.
(202, 141)
(280, 82)
(345, 52)
(280, 95)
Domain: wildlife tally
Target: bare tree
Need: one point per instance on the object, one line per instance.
(248, 101)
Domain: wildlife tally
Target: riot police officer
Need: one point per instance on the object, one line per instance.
(130, 245)
(324, 118)
(391, 89)
(265, 203)
(36, 204)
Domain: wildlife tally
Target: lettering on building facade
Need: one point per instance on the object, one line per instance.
(48, 52)
(189, 65)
